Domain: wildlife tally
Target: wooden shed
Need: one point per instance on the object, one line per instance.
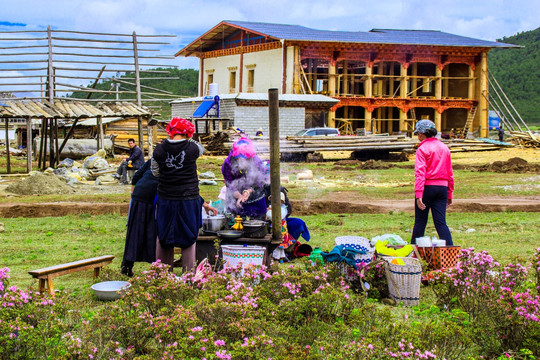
(51, 115)
(119, 129)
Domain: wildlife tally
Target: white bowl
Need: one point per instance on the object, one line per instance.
(110, 290)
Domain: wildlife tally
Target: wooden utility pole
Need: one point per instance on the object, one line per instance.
(51, 143)
(42, 145)
(138, 90)
(29, 144)
(275, 186)
(101, 140)
(50, 93)
(7, 148)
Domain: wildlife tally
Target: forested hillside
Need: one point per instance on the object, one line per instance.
(184, 84)
(518, 73)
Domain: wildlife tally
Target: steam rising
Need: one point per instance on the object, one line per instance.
(248, 174)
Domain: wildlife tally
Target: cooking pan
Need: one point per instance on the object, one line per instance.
(225, 234)
(255, 228)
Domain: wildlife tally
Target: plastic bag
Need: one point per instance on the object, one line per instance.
(393, 239)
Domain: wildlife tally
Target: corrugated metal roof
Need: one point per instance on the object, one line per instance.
(264, 97)
(376, 36)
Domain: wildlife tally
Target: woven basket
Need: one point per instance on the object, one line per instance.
(440, 257)
(349, 272)
(404, 280)
(357, 243)
(235, 255)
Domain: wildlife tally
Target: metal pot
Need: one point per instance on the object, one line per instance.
(214, 223)
(255, 228)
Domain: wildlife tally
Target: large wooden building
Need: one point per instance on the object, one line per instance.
(385, 80)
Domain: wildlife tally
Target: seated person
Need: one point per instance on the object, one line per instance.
(291, 228)
(284, 191)
(244, 176)
(134, 161)
(296, 227)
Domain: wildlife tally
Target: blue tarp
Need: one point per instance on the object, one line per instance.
(494, 121)
(496, 142)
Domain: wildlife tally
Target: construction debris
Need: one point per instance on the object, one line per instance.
(525, 139)
(214, 143)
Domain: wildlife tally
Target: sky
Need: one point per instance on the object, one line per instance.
(482, 19)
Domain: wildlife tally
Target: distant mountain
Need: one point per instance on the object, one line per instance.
(518, 73)
(185, 84)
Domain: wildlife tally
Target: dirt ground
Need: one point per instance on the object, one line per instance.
(509, 160)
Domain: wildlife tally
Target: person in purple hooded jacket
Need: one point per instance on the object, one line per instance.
(244, 175)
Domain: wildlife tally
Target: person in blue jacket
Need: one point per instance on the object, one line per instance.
(132, 162)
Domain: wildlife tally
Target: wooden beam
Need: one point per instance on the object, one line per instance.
(41, 141)
(29, 145)
(8, 168)
(101, 140)
(51, 144)
(284, 71)
(275, 185)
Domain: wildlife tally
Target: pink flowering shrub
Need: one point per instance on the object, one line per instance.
(536, 267)
(374, 274)
(504, 312)
(29, 323)
(288, 313)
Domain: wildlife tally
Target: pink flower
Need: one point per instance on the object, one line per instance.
(219, 342)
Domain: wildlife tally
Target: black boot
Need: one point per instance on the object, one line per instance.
(127, 268)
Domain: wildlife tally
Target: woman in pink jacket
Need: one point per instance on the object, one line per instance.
(434, 182)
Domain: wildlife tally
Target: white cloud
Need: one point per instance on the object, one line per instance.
(484, 19)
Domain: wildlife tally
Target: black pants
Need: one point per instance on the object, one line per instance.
(435, 198)
(122, 171)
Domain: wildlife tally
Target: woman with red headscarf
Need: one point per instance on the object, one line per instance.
(178, 204)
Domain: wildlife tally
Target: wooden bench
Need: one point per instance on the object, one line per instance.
(48, 273)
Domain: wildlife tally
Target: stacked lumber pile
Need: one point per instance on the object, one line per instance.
(525, 139)
(457, 145)
(307, 144)
(396, 143)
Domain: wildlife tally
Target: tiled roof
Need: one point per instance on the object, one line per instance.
(375, 36)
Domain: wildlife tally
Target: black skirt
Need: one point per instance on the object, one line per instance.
(141, 233)
(178, 222)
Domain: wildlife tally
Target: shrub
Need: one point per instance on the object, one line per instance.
(504, 312)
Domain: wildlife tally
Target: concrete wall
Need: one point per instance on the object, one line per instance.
(251, 118)
(267, 74)
(268, 70)
(220, 67)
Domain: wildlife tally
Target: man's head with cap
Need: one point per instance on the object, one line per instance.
(423, 126)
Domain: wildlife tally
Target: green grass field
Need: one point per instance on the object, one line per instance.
(32, 243)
